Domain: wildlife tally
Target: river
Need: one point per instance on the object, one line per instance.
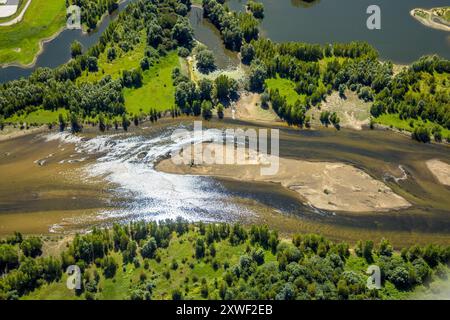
(401, 39)
(96, 180)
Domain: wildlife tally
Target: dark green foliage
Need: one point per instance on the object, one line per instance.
(109, 266)
(421, 134)
(220, 109)
(256, 8)
(311, 267)
(226, 88)
(9, 257)
(205, 61)
(76, 49)
(58, 88)
(247, 53)
(75, 124)
(258, 74)
(182, 32)
(228, 24)
(111, 53)
(206, 110)
(31, 247)
(200, 248)
(149, 248)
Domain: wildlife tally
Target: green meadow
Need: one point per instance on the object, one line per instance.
(157, 91)
(39, 117)
(286, 88)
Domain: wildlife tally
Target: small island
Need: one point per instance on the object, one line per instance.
(437, 18)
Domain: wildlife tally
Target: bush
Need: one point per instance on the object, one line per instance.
(149, 248)
(31, 247)
(9, 257)
(205, 61)
(109, 266)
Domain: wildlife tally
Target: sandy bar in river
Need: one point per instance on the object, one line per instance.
(324, 185)
(440, 170)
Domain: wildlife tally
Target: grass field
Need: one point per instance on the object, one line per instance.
(19, 43)
(39, 117)
(393, 120)
(157, 91)
(177, 268)
(286, 88)
(125, 61)
(180, 249)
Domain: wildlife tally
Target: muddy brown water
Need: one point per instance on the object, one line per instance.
(35, 198)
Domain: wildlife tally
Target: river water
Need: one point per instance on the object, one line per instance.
(125, 162)
(401, 39)
(134, 190)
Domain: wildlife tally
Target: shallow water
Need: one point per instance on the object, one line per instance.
(120, 174)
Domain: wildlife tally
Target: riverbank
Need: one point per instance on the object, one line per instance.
(10, 132)
(436, 18)
(330, 186)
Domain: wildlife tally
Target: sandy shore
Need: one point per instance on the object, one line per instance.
(440, 170)
(324, 185)
(432, 19)
(10, 133)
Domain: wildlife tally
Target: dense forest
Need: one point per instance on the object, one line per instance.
(179, 260)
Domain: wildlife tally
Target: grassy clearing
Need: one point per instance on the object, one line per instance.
(20, 42)
(176, 267)
(39, 117)
(157, 91)
(125, 61)
(180, 249)
(393, 120)
(286, 88)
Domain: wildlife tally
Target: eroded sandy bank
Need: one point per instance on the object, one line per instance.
(440, 170)
(324, 185)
